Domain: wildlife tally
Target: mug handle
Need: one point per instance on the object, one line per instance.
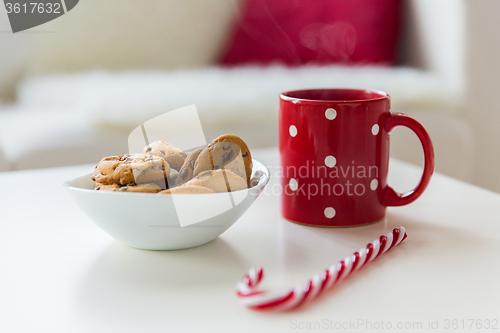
(393, 198)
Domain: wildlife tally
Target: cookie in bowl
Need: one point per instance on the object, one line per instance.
(219, 181)
(173, 155)
(187, 170)
(188, 189)
(141, 188)
(130, 169)
(228, 152)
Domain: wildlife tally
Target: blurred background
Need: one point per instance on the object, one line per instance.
(71, 90)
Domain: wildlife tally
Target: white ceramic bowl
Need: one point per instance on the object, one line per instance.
(165, 222)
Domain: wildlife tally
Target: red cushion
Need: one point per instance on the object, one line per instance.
(296, 32)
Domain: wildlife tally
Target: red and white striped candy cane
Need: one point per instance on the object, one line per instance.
(288, 300)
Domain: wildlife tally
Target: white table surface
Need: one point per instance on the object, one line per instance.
(61, 273)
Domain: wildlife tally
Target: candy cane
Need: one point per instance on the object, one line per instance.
(288, 300)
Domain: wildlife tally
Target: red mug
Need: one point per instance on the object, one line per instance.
(334, 149)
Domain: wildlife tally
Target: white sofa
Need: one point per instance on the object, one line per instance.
(68, 110)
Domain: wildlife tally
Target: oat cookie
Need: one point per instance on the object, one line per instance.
(219, 181)
(187, 169)
(228, 152)
(173, 155)
(102, 187)
(203, 162)
(188, 189)
(130, 169)
(141, 188)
